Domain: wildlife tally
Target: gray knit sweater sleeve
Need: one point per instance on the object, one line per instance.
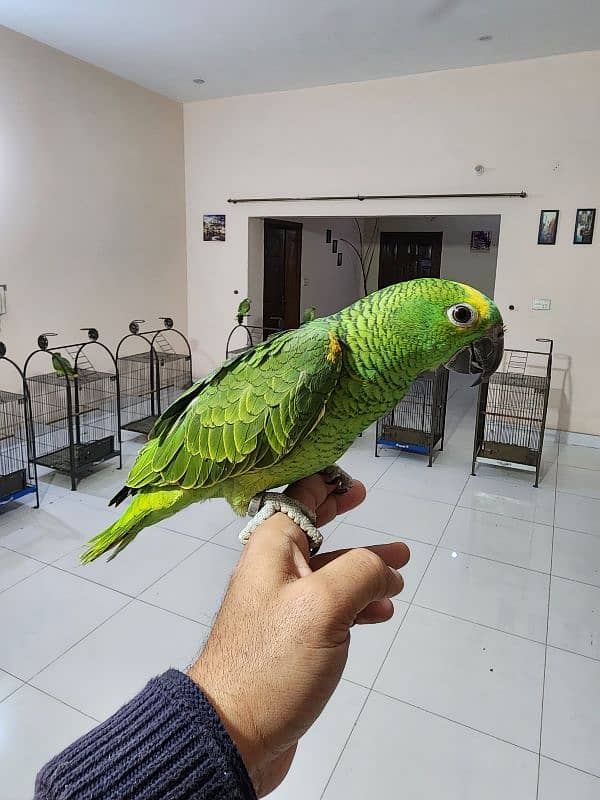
(165, 744)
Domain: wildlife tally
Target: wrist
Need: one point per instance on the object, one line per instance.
(237, 722)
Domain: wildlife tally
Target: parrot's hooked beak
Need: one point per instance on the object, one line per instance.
(481, 358)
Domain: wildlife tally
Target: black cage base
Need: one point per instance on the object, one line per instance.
(143, 425)
(85, 455)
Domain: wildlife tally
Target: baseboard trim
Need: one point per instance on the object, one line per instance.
(571, 437)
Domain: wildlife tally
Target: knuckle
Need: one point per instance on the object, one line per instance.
(371, 565)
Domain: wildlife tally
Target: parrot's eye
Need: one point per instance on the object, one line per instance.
(462, 315)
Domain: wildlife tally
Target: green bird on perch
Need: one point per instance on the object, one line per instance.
(243, 310)
(62, 366)
(309, 314)
(292, 405)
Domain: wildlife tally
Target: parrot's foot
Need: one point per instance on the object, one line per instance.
(265, 504)
(335, 474)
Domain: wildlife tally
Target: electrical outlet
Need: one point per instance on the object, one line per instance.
(305, 282)
(541, 304)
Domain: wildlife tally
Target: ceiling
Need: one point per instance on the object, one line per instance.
(246, 46)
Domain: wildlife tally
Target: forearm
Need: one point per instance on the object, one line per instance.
(167, 741)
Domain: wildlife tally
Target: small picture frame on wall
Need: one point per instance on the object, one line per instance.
(548, 226)
(584, 226)
(214, 227)
(481, 241)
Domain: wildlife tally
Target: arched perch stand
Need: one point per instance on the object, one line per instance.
(511, 411)
(18, 473)
(154, 375)
(75, 418)
(252, 334)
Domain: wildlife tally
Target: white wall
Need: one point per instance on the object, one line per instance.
(330, 287)
(92, 199)
(418, 134)
(458, 263)
(323, 284)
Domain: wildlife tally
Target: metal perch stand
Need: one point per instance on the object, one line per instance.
(417, 423)
(75, 420)
(512, 409)
(252, 334)
(152, 377)
(18, 470)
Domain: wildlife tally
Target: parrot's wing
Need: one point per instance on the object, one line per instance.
(248, 414)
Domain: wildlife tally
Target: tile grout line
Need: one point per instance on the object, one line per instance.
(455, 722)
(355, 723)
(464, 552)
(539, 770)
(410, 602)
(63, 702)
(68, 649)
(482, 625)
(570, 766)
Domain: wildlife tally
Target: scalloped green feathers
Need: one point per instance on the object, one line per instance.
(292, 405)
(248, 415)
(245, 416)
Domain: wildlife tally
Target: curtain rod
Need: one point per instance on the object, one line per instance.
(361, 197)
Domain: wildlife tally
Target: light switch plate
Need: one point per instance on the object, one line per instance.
(541, 304)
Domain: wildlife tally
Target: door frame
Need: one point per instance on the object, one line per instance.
(287, 225)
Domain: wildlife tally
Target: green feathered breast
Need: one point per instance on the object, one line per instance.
(292, 405)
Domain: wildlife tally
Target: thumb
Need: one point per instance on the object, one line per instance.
(350, 582)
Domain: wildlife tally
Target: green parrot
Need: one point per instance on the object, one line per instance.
(62, 366)
(309, 314)
(292, 405)
(243, 310)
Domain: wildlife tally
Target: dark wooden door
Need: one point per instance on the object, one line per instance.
(281, 290)
(404, 256)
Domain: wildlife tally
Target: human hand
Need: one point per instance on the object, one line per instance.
(280, 642)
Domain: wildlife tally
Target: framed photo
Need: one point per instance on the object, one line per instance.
(584, 226)
(214, 227)
(481, 241)
(548, 227)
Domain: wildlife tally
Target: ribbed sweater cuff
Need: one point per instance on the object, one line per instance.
(166, 744)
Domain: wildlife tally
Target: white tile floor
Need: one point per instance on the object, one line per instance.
(485, 684)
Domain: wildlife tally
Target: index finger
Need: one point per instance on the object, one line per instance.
(394, 554)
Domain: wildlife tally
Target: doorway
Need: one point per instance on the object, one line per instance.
(404, 256)
(282, 271)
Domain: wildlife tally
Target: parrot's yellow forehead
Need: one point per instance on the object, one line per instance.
(477, 300)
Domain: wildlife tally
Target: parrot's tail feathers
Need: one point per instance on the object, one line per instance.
(116, 536)
(147, 508)
(121, 495)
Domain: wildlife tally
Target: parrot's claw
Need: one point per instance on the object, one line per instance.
(335, 474)
(265, 504)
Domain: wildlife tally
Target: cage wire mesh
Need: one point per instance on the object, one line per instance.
(512, 409)
(417, 423)
(138, 395)
(75, 421)
(174, 369)
(18, 477)
(152, 377)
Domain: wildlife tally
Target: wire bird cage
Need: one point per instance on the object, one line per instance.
(18, 474)
(75, 418)
(417, 423)
(511, 411)
(152, 376)
(250, 335)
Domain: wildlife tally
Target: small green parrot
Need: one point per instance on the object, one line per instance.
(292, 405)
(243, 310)
(62, 366)
(309, 314)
